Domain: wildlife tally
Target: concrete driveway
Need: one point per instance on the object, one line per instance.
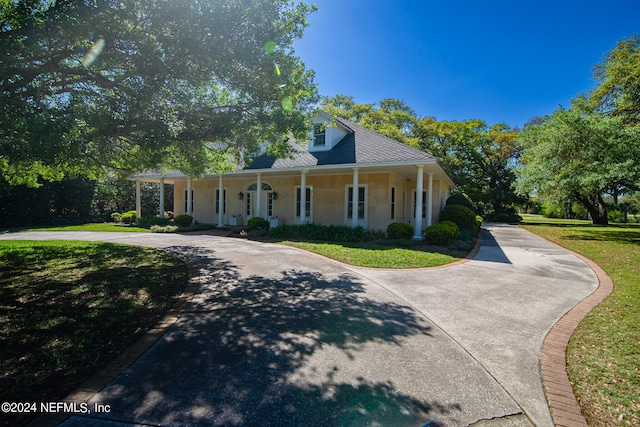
(277, 336)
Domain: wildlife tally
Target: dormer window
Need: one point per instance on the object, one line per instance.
(319, 134)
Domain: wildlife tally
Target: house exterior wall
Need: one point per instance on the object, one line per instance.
(328, 194)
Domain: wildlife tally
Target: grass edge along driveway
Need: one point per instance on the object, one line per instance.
(67, 308)
(603, 356)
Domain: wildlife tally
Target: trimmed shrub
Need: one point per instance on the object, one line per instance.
(149, 221)
(116, 216)
(129, 217)
(183, 220)
(460, 215)
(400, 230)
(479, 221)
(442, 233)
(460, 199)
(257, 223)
(163, 229)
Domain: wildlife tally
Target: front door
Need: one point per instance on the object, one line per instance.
(266, 202)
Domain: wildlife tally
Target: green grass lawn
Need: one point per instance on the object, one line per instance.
(377, 256)
(67, 308)
(84, 227)
(604, 353)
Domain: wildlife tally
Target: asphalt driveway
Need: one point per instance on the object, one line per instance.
(277, 336)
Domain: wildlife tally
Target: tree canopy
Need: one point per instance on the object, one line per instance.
(618, 77)
(478, 157)
(593, 148)
(573, 155)
(131, 85)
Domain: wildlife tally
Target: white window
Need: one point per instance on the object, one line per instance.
(393, 203)
(361, 209)
(224, 201)
(319, 135)
(308, 204)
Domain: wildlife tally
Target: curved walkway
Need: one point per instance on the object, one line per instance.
(276, 336)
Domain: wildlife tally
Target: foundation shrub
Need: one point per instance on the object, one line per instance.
(183, 220)
(257, 223)
(400, 230)
(442, 233)
(460, 199)
(460, 215)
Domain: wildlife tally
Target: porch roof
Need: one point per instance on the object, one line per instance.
(361, 148)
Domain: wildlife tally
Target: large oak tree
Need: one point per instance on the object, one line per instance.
(593, 148)
(129, 85)
(478, 157)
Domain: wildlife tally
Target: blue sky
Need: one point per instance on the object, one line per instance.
(499, 61)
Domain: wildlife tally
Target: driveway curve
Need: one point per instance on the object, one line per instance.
(277, 336)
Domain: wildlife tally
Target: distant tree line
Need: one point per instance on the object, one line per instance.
(75, 200)
(478, 157)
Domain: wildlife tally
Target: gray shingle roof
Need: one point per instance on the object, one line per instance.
(359, 146)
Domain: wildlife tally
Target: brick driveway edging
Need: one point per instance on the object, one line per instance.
(565, 410)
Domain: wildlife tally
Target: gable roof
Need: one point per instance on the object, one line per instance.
(359, 146)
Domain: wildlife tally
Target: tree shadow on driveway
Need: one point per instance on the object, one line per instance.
(235, 356)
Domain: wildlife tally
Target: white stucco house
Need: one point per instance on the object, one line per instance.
(394, 182)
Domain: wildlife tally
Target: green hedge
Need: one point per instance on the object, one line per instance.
(400, 230)
(442, 233)
(325, 233)
(460, 215)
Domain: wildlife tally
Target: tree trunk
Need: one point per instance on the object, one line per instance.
(596, 208)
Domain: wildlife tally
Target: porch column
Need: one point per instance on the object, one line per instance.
(189, 197)
(419, 188)
(355, 201)
(303, 197)
(258, 195)
(138, 200)
(162, 197)
(220, 202)
(429, 198)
